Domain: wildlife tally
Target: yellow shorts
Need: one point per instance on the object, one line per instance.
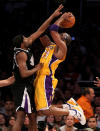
(44, 91)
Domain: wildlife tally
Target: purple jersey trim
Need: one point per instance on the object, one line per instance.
(26, 104)
(48, 83)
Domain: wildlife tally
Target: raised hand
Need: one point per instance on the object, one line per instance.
(58, 12)
(39, 66)
(97, 82)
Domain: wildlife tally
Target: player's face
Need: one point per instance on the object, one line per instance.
(92, 123)
(69, 121)
(92, 94)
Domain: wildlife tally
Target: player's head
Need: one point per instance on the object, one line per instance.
(17, 40)
(66, 37)
(45, 40)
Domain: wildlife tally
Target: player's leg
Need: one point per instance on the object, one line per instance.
(19, 121)
(53, 110)
(32, 122)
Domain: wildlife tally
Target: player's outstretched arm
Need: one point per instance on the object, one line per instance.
(45, 25)
(7, 81)
(61, 39)
(57, 39)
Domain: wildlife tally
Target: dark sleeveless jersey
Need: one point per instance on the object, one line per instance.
(29, 64)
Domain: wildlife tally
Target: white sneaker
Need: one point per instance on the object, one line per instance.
(66, 106)
(80, 114)
(73, 112)
(81, 117)
(72, 103)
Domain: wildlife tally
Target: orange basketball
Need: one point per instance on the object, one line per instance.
(68, 20)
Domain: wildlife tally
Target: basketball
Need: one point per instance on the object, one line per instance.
(67, 20)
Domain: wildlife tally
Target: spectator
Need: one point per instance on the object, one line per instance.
(50, 119)
(11, 122)
(97, 111)
(64, 119)
(47, 123)
(3, 122)
(69, 124)
(85, 102)
(92, 123)
(58, 120)
(97, 100)
(9, 109)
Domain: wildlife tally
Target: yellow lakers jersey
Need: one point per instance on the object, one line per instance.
(45, 82)
(50, 62)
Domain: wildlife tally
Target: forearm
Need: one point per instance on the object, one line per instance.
(57, 39)
(41, 30)
(27, 73)
(7, 82)
(44, 26)
(48, 21)
(3, 83)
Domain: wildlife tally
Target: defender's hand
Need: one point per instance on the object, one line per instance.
(39, 66)
(58, 12)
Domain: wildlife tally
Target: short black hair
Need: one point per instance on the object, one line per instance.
(92, 117)
(17, 40)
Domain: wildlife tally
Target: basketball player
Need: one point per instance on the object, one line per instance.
(97, 82)
(45, 82)
(23, 75)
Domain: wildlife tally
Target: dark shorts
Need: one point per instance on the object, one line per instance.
(24, 97)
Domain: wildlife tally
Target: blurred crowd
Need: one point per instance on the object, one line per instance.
(90, 105)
